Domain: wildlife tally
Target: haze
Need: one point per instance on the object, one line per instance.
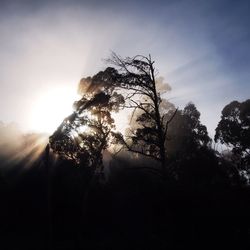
(201, 48)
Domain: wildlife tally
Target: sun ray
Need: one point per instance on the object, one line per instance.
(50, 108)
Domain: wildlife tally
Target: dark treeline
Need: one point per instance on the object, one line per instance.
(162, 184)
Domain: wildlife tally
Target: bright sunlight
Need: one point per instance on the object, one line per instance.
(51, 107)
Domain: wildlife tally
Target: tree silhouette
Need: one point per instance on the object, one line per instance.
(137, 76)
(84, 134)
(234, 130)
(188, 147)
(186, 133)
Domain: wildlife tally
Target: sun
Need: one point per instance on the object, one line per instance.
(50, 108)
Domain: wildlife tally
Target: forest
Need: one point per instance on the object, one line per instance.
(162, 183)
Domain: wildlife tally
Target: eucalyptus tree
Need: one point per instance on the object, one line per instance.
(187, 134)
(136, 77)
(233, 130)
(88, 131)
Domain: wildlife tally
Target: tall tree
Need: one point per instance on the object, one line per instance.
(137, 76)
(192, 160)
(233, 130)
(186, 133)
(84, 134)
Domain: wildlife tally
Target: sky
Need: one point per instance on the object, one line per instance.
(201, 48)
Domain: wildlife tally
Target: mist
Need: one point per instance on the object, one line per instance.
(60, 43)
(83, 167)
(18, 151)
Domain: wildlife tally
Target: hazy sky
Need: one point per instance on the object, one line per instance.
(201, 48)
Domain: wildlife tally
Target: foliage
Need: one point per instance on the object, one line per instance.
(186, 133)
(84, 134)
(137, 76)
(233, 130)
(188, 147)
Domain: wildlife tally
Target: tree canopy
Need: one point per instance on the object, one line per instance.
(157, 128)
(233, 130)
(84, 134)
(186, 133)
(137, 77)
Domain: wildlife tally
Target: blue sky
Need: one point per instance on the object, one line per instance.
(201, 48)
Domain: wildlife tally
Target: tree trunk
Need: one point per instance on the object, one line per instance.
(159, 125)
